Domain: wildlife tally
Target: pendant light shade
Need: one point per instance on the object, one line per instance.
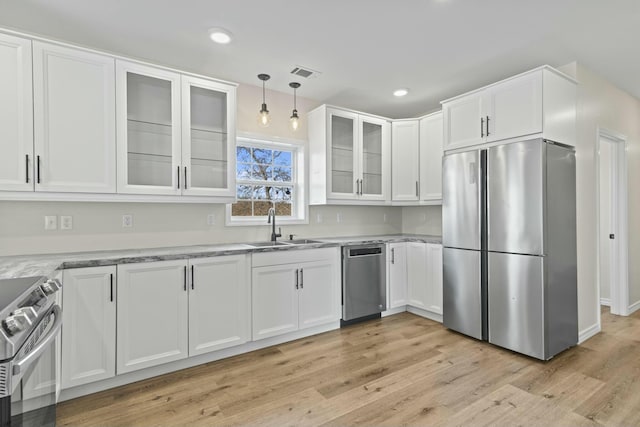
(294, 120)
(263, 116)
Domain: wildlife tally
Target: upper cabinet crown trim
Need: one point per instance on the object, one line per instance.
(112, 54)
(480, 89)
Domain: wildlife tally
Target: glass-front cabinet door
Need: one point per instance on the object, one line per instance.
(148, 130)
(344, 174)
(374, 135)
(208, 127)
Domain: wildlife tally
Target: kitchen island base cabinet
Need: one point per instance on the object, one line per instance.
(291, 296)
(219, 303)
(152, 316)
(89, 325)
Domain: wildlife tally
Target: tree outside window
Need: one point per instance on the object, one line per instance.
(264, 178)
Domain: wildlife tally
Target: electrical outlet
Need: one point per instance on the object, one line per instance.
(339, 217)
(211, 219)
(424, 217)
(66, 222)
(319, 218)
(50, 222)
(127, 221)
(384, 218)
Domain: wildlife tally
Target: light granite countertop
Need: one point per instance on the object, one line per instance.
(46, 265)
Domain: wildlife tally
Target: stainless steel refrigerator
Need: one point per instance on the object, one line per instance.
(509, 237)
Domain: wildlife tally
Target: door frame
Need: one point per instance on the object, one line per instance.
(619, 271)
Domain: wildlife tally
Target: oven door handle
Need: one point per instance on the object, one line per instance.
(33, 355)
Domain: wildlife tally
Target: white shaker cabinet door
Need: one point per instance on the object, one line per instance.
(275, 300)
(16, 114)
(405, 161)
(74, 120)
(219, 303)
(431, 157)
(397, 268)
(152, 314)
(514, 107)
(89, 325)
(464, 122)
(319, 293)
(417, 274)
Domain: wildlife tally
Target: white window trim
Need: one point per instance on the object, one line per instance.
(300, 181)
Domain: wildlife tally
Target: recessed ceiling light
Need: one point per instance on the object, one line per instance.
(400, 92)
(220, 35)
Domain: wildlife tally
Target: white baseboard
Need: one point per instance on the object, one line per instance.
(130, 377)
(425, 313)
(394, 310)
(587, 333)
(633, 307)
(605, 302)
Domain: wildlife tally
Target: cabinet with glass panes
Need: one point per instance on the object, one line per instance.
(176, 133)
(350, 157)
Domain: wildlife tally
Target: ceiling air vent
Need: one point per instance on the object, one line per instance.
(305, 72)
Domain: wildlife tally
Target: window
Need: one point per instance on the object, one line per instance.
(268, 174)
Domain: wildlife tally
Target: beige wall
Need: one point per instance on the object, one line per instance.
(600, 104)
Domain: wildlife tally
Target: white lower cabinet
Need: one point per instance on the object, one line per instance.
(152, 316)
(292, 291)
(89, 325)
(219, 303)
(415, 275)
(397, 271)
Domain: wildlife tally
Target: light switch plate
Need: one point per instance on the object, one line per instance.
(211, 219)
(66, 222)
(339, 217)
(50, 222)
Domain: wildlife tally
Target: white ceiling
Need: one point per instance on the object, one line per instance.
(364, 48)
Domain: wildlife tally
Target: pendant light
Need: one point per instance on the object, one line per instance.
(263, 116)
(294, 120)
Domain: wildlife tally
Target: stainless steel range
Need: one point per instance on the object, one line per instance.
(30, 322)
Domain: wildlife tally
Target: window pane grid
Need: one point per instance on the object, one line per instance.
(264, 179)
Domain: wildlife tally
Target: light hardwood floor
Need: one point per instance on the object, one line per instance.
(400, 370)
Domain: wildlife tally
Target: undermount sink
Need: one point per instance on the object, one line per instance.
(266, 244)
(302, 241)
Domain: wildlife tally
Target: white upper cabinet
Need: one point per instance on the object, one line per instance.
(74, 120)
(431, 157)
(176, 133)
(208, 137)
(149, 130)
(538, 103)
(350, 157)
(405, 160)
(16, 114)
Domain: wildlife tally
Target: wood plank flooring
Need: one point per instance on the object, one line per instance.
(400, 370)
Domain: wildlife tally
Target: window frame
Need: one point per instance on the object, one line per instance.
(300, 183)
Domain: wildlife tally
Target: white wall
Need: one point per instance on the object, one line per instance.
(600, 104)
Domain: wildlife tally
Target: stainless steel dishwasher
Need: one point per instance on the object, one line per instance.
(364, 290)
